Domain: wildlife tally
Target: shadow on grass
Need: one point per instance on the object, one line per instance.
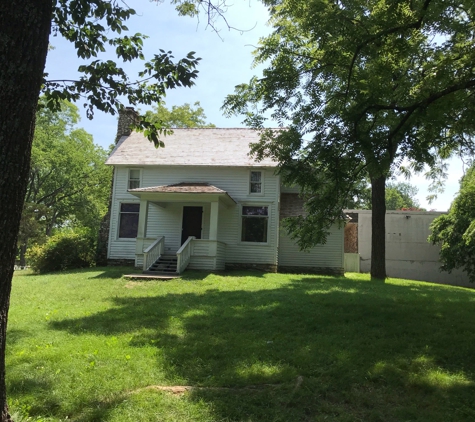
(14, 336)
(105, 272)
(366, 351)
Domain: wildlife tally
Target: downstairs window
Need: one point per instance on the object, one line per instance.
(254, 224)
(128, 221)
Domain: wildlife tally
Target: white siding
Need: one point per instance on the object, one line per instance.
(167, 221)
(203, 255)
(120, 248)
(220, 256)
(329, 255)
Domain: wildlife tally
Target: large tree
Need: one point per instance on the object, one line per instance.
(91, 26)
(68, 181)
(455, 231)
(361, 85)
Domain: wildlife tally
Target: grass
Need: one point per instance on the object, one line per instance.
(90, 346)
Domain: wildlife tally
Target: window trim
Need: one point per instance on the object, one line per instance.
(139, 179)
(126, 239)
(268, 217)
(261, 193)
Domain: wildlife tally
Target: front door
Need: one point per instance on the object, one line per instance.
(192, 218)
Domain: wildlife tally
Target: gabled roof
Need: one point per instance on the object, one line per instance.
(190, 147)
(184, 187)
(184, 191)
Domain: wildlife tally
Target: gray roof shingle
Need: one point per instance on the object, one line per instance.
(190, 147)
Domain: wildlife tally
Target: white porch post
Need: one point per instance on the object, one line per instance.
(143, 216)
(213, 221)
(142, 228)
(213, 228)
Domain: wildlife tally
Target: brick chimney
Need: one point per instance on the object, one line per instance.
(127, 117)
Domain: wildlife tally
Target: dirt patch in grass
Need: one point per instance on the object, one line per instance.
(182, 389)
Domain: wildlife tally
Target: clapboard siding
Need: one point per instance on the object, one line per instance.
(247, 252)
(201, 247)
(201, 263)
(329, 255)
(233, 180)
(203, 255)
(120, 248)
(167, 221)
(220, 256)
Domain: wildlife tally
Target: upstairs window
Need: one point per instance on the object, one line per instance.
(254, 224)
(255, 184)
(129, 221)
(134, 179)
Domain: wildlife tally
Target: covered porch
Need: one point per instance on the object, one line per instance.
(178, 227)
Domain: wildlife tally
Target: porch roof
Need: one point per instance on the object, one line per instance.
(184, 191)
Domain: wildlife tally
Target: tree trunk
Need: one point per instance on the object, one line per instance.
(24, 31)
(378, 228)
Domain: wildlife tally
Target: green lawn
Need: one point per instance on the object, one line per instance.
(91, 346)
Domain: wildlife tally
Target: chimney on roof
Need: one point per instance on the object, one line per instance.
(127, 117)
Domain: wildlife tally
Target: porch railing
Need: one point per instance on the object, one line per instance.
(153, 252)
(184, 255)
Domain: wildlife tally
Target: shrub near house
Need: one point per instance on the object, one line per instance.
(64, 251)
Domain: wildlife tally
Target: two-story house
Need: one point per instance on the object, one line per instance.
(204, 200)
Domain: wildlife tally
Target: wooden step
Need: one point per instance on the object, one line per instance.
(162, 265)
(166, 265)
(160, 270)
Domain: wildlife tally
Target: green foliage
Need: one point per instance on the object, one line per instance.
(64, 251)
(455, 231)
(93, 26)
(401, 195)
(68, 183)
(184, 116)
(361, 86)
(398, 196)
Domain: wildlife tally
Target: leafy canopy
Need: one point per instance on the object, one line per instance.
(360, 86)
(400, 195)
(184, 116)
(455, 231)
(94, 26)
(68, 183)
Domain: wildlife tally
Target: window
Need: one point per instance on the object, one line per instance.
(254, 224)
(134, 178)
(128, 221)
(255, 182)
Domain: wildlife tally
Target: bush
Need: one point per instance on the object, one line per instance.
(64, 251)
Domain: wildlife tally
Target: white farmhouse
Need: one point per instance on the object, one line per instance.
(202, 202)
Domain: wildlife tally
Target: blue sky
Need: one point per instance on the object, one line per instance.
(226, 62)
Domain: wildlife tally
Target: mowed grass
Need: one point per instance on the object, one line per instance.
(92, 346)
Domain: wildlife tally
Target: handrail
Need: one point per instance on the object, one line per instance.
(153, 252)
(184, 255)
